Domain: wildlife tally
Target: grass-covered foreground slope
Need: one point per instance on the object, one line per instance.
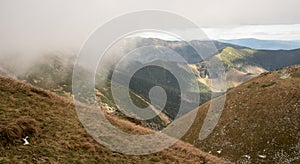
(56, 135)
(260, 122)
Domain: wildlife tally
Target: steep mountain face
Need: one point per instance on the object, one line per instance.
(260, 122)
(55, 135)
(148, 77)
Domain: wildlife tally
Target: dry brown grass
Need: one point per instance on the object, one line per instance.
(17, 129)
(57, 136)
(261, 116)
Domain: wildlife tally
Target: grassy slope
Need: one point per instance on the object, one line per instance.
(242, 64)
(260, 117)
(266, 59)
(56, 135)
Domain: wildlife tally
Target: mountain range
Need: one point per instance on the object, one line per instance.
(54, 72)
(249, 85)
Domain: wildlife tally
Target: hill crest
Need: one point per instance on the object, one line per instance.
(261, 120)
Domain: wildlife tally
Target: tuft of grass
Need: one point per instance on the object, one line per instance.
(268, 84)
(17, 129)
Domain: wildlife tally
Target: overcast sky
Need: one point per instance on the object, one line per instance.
(63, 24)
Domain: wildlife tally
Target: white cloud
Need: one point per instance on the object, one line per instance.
(266, 32)
(156, 34)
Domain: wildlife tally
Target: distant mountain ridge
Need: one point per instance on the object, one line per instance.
(265, 44)
(205, 49)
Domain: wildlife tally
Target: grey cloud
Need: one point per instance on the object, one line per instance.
(57, 24)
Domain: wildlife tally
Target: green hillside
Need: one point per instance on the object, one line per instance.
(242, 64)
(266, 59)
